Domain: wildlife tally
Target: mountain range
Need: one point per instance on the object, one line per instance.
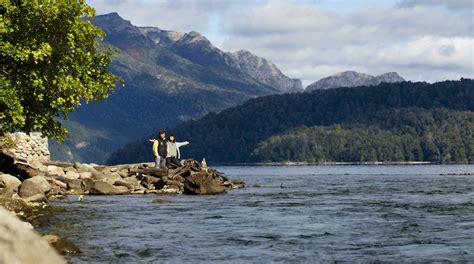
(171, 77)
(388, 122)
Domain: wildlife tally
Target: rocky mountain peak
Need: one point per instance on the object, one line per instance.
(352, 74)
(264, 71)
(112, 22)
(353, 79)
(194, 37)
(163, 37)
(390, 77)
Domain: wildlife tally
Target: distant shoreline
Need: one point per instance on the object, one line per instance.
(291, 163)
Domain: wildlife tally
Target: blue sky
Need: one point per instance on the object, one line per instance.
(426, 40)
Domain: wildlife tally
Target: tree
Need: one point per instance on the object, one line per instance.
(50, 63)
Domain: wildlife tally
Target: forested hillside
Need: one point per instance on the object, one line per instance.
(169, 77)
(406, 134)
(366, 122)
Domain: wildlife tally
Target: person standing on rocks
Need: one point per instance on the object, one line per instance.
(160, 150)
(173, 155)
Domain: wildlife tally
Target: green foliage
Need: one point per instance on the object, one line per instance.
(49, 64)
(396, 111)
(7, 142)
(407, 134)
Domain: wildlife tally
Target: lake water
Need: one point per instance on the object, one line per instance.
(322, 214)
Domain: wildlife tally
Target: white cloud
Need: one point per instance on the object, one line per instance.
(422, 40)
(82, 144)
(455, 4)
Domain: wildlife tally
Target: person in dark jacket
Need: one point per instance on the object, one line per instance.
(160, 150)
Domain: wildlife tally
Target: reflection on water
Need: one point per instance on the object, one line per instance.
(298, 214)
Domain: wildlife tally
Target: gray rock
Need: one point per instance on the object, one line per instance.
(109, 177)
(84, 168)
(133, 182)
(33, 186)
(55, 170)
(67, 169)
(37, 198)
(7, 180)
(105, 188)
(87, 184)
(85, 175)
(59, 183)
(122, 189)
(203, 183)
(23, 244)
(72, 175)
(123, 183)
(36, 164)
(75, 186)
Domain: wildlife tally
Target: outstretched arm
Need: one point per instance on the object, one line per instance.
(180, 144)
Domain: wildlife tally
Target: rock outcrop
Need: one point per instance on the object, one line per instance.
(20, 244)
(52, 179)
(265, 71)
(37, 185)
(26, 194)
(30, 146)
(353, 79)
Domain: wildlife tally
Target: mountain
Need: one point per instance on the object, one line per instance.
(265, 71)
(198, 49)
(169, 77)
(354, 79)
(415, 121)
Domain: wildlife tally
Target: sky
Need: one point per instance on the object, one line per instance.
(422, 40)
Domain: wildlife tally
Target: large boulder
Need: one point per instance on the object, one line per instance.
(85, 175)
(84, 168)
(133, 182)
(7, 180)
(172, 187)
(75, 186)
(105, 188)
(55, 170)
(33, 186)
(203, 183)
(20, 244)
(109, 177)
(72, 175)
(36, 164)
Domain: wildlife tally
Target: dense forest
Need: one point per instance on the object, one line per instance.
(408, 134)
(416, 121)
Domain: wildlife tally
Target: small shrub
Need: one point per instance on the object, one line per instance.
(7, 142)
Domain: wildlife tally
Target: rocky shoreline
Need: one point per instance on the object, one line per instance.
(26, 188)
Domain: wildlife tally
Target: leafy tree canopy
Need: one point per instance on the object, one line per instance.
(49, 63)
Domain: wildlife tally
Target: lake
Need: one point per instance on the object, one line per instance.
(290, 214)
